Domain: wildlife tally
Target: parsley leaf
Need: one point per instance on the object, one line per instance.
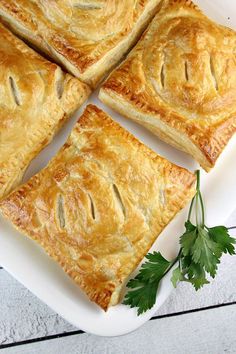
(194, 274)
(143, 296)
(206, 252)
(155, 267)
(176, 277)
(188, 238)
(220, 235)
(146, 283)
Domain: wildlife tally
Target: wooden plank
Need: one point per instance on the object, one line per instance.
(211, 331)
(23, 316)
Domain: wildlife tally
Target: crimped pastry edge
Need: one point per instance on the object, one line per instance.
(152, 123)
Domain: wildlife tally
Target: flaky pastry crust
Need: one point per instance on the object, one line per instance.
(87, 37)
(180, 82)
(36, 98)
(100, 204)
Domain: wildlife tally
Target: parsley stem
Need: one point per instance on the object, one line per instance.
(173, 263)
(198, 179)
(196, 207)
(191, 208)
(196, 199)
(199, 197)
(202, 208)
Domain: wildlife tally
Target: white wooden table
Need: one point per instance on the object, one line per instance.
(189, 322)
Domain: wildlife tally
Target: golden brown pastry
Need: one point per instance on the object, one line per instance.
(100, 204)
(180, 82)
(36, 98)
(87, 36)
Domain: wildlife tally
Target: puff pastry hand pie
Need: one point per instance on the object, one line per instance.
(36, 98)
(180, 82)
(100, 204)
(87, 36)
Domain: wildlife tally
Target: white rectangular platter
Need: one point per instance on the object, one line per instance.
(33, 268)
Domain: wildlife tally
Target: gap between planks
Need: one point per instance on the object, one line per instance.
(72, 333)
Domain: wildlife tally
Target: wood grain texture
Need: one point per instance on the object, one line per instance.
(23, 316)
(195, 333)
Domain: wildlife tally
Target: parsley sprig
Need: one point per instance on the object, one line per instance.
(200, 252)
